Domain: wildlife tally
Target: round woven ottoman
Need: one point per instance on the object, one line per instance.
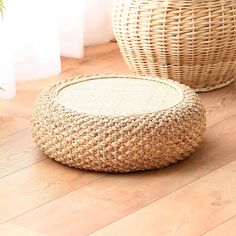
(118, 123)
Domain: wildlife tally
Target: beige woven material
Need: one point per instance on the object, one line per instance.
(191, 41)
(118, 123)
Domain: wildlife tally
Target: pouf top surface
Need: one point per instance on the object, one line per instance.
(119, 96)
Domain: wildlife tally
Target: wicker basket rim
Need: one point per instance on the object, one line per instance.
(183, 4)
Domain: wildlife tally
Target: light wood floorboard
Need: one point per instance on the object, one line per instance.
(191, 210)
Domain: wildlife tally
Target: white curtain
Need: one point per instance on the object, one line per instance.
(34, 33)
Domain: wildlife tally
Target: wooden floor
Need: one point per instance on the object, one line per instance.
(41, 197)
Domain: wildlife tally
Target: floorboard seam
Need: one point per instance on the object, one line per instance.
(218, 225)
(8, 136)
(14, 172)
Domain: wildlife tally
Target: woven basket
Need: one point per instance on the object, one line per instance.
(118, 123)
(191, 41)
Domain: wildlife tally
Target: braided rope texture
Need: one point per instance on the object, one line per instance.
(190, 41)
(118, 143)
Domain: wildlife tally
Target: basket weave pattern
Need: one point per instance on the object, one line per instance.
(117, 143)
(191, 41)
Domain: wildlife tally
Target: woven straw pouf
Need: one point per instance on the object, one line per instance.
(118, 123)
